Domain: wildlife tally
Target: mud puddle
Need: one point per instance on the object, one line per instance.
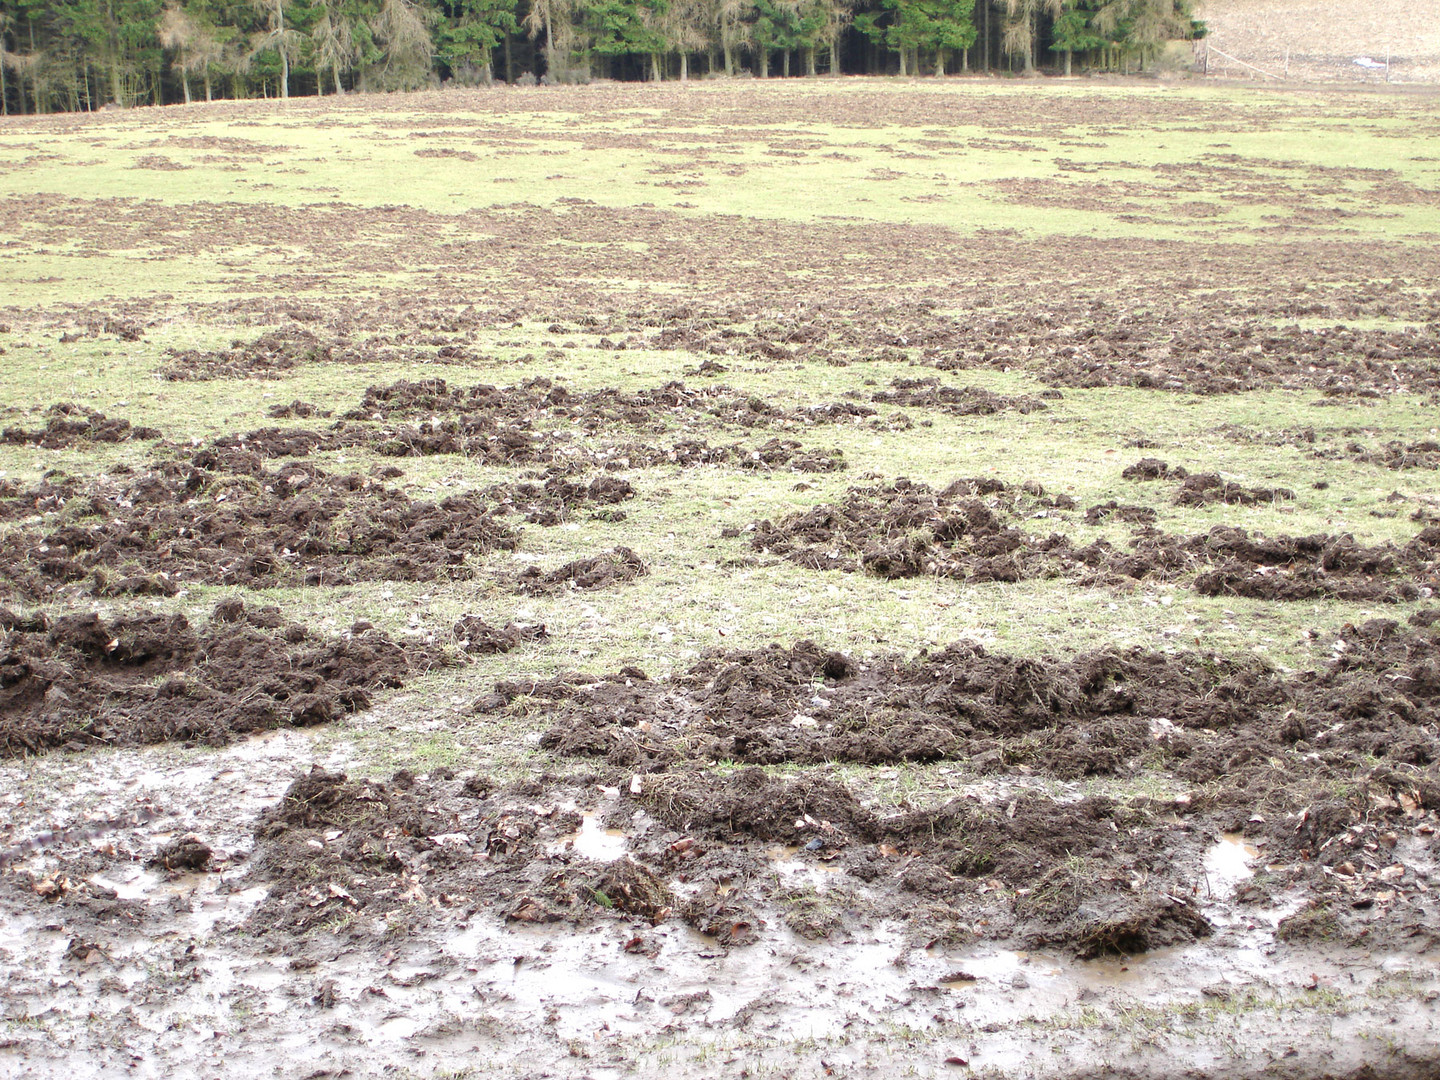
(439, 978)
(585, 1002)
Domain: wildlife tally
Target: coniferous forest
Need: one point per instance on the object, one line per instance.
(70, 55)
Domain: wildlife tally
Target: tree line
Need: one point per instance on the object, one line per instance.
(85, 54)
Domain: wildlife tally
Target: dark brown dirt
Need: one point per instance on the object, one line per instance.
(67, 424)
(77, 680)
(1091, 326)
(957, 400)
(509, 427)
(223, 518)
(335, 848)
(596, 572)
(267, 356)
(1107, 713)
(478, 638)
(1152, 469)
(1092, 876)
(1205, 489)
(1394, 454)
(905, 529)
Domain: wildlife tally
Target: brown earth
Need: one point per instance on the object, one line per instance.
(223, 518)
(507, 426)
(1093, 876)
(904, 529)
(67, 424)
(715, 789)
(76, 680)
(1240, 332)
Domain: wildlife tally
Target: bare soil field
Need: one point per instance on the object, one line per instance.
(855, 580)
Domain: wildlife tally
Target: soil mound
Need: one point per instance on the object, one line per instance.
(597, 572)
(78, 680)
(516, 426)
(1152, 469)
(723, 849)
(1198, 356)
(1398, 455)
(266, 357)
(479, 410)
(906, 529)
(1102, 713)
(478, 638)
(956, 400)
(1205, 489)
(67, 424)
(225, 519)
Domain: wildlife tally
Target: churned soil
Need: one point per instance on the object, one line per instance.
(1108, 713)
(335, 847)
(594, 572)
(1295, 312)
(479, 638)
(67, 424)
(518, 426)
(224, 518)
(1090, 875)
(966, 532)
(78, 680)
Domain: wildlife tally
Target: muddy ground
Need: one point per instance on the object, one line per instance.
(353, 715)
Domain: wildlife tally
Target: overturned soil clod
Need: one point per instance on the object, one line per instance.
(78, 680)
(478, 638)
(904, 529)
(225, 519)
(67, 424)
(596, 572)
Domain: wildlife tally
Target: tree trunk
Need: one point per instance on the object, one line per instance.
(785, 63)
(34, 71)
(4, 95)
(729, 58)
(208, 95)
(810, 61)
(903, 72)
(939, 62)
(1067, 63)
(835, 55)
(985, 10)
(1030, 48)
(965, 61)
(684, 67)
(185, 82)
(284, 53)
(764, 62)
